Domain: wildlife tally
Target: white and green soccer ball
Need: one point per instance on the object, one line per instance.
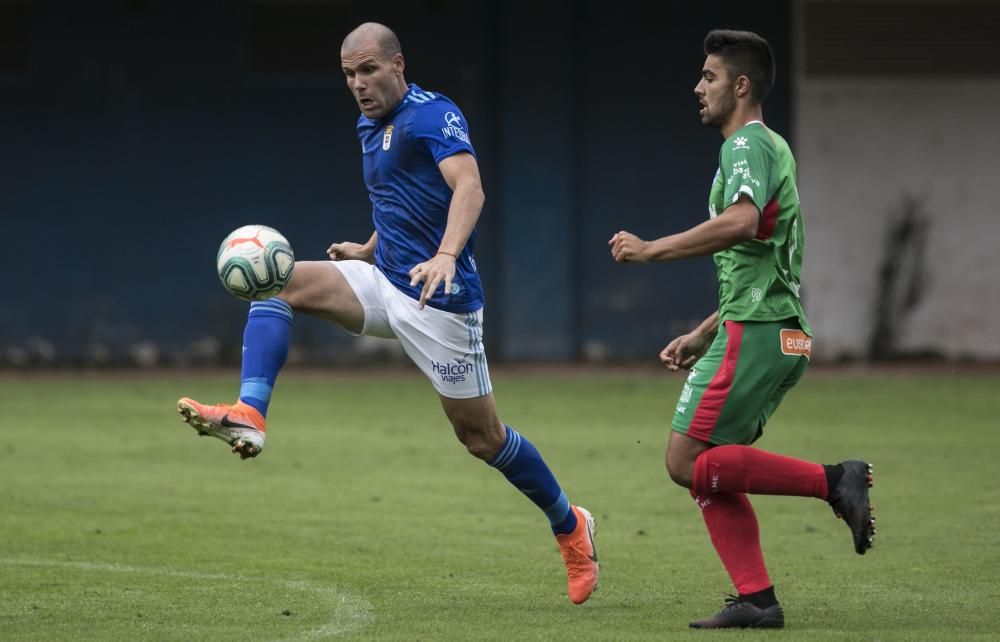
(255, 262)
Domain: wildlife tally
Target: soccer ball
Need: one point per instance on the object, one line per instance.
(255, 262)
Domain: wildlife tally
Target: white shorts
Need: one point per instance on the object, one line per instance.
(446, 346)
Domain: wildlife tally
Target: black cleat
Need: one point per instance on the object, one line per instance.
(850, 502)
(741, 614)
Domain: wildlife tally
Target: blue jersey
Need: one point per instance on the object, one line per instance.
(410, 197)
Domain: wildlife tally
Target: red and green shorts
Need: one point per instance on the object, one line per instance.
(740, 381)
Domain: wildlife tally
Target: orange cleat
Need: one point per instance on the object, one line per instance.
(240, 425)
(580, 557)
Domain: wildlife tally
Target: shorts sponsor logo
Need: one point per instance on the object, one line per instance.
(452, 372)
(796, 343)
(756, 295)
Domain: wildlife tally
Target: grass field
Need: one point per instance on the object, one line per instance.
(365, 519)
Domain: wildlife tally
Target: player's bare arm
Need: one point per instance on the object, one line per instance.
(349, 250)
(736, 224)
(461, 173)
(684, 351)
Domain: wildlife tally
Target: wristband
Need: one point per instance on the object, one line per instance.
(448, 253)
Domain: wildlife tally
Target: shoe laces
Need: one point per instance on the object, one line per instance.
(578, 564)
(733, 602)
(577, 561)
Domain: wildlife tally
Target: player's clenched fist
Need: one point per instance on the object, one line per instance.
(628, 248)
(348, 250)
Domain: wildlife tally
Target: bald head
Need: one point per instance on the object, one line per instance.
(373, 66)
(372, 33)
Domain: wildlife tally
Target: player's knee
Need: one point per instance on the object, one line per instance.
(478, 443)
(295, 292)
(477, 426)
(478, 446)
(478, 438)
(680, 470)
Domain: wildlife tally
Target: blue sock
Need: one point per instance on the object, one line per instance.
(521, 464)
(265, 348)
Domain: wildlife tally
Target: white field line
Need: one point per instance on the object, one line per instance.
(350, 612)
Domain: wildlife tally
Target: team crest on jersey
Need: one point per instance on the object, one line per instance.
(387, 138)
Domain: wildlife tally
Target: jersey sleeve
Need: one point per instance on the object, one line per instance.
(441, 127)
(747, 164)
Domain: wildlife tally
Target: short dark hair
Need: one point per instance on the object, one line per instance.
(744, 53)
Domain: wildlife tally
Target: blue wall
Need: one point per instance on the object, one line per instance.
(138, 134)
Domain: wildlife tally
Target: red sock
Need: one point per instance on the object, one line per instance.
(742, 469)
(732, 526)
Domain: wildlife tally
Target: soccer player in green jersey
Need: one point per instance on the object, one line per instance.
(755, 347)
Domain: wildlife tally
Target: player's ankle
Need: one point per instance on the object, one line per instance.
(568, 525)
(833, 474)
(761, 599)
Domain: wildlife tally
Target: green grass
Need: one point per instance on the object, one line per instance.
(365, 519)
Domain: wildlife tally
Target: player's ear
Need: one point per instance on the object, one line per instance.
(398, 64)
(742, 86)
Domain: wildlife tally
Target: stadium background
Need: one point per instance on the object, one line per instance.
(137, 133)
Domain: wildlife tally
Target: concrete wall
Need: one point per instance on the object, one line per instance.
(870, 150)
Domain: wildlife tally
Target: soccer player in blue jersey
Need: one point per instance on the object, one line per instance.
(414, 280)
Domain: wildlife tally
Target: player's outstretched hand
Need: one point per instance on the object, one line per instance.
(684, 351)
(347, 250)
(441, 267)
(628, 248)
